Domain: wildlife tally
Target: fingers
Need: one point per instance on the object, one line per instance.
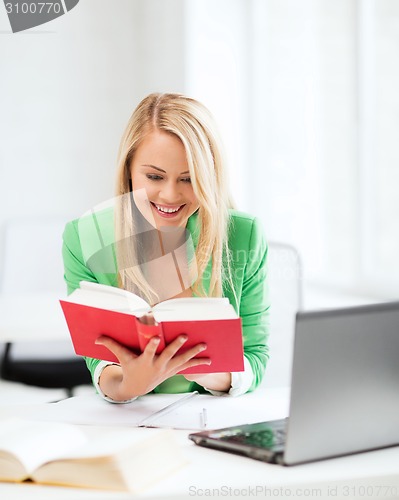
(172, 348)
(187, 358)
(168, 360)
(151, 348)
(179, 341)
(190, 354)
(121, 352)
(195, 362)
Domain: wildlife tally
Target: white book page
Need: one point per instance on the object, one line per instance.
(183, 309)
(109, 444)
(108, 297)
(34, 443)
(194, 309)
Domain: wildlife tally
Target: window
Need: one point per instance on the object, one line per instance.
(307, 93)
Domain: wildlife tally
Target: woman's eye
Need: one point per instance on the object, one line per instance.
(186, 179)
(154, 177)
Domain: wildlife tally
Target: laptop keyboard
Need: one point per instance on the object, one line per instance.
(263, 435)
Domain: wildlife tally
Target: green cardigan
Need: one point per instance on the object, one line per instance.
(83, 237)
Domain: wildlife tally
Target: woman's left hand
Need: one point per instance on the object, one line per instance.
(214, 381)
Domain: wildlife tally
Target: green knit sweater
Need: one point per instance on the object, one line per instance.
(83, 237)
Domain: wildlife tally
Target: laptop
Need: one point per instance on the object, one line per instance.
(344, 391)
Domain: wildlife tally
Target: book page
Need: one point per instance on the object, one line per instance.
(37, 442)
(182, 309)
(108, 444)
(194, 309)
(125, 460)
(108, 297)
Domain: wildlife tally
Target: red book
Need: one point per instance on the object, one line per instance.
(93, 310)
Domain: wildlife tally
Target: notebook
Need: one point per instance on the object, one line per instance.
(344, 391)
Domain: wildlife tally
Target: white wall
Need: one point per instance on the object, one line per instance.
(67, 89)
(280, 77)
(218, 61)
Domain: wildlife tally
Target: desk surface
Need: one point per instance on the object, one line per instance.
(217, 474)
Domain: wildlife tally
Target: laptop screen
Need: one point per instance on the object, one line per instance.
(345, 375)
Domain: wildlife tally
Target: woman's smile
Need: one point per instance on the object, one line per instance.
(167, 211)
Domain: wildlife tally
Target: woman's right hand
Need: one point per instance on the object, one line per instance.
(140, 374)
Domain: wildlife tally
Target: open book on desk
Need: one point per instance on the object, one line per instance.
(176, 411)
(95, 309)
(62, 454)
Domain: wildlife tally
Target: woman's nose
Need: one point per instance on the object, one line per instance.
(170, 192)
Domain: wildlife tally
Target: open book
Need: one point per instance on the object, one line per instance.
(94, 309)
(61, 454)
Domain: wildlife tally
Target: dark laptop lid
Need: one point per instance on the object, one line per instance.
(345, 381)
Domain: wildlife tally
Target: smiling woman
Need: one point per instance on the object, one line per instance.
(171, 190)
(178, 136)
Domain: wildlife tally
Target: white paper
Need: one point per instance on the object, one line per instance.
(222, 411)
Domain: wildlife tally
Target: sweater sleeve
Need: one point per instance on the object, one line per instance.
(76, 271)
(255, 304)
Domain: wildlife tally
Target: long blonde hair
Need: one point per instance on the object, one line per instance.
(192, 123)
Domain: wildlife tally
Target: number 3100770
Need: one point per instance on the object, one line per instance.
(33, 8)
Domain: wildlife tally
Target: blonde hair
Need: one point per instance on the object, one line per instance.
(192, 123)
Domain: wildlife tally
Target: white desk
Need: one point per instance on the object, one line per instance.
(373, 475)
(213, 474)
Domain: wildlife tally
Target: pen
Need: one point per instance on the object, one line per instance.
(204, 418)
(148, 421)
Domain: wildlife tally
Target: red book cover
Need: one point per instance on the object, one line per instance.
(147, 328)
(222, 336)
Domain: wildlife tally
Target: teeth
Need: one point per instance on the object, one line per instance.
(167, 210)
